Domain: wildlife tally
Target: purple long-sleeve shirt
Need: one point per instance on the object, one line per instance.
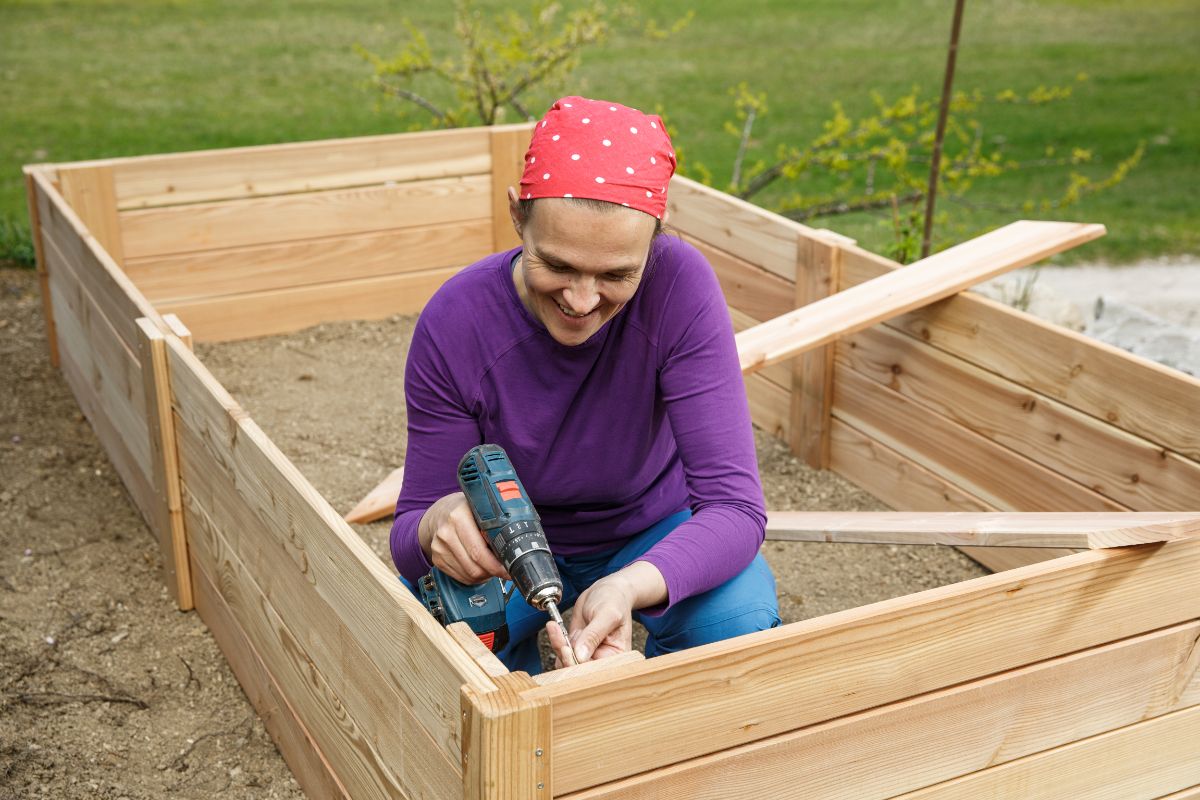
(647, 417)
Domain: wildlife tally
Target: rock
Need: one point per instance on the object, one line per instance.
(1023, 291)
(1134, 329)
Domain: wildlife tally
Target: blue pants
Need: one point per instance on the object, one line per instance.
(743, 604)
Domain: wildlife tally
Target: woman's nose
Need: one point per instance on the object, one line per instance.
(581, 294)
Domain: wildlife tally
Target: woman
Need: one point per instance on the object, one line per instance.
(600, 355)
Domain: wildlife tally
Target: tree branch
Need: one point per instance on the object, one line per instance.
(415, 98)
(842, 207)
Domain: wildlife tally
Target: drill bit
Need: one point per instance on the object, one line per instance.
(552, 608)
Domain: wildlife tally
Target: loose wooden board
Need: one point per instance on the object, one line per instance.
(380, 502)
(926, 281)
(710, 698)
(989, 529)
(924, 740)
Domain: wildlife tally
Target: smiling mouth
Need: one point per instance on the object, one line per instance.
(569, 313)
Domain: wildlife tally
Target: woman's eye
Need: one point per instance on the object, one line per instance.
(557, 268)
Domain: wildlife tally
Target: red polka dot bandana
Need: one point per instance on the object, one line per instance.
(600, 150)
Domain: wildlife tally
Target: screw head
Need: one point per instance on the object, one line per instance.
(538, 752)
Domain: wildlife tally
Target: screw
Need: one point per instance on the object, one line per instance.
(541, 786)
(538, 752)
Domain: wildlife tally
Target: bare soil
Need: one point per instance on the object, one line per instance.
(107, 692)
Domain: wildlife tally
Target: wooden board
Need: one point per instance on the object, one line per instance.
(582, 672)
(995, 474)
(1138, 762)
(990, 529)
(376, 746)
(508, 144)
(754, 291)
(938, 736)
(923, 282)
(739, 228)
(778, 374)
(395, 632)
(812, 373)
(306, 761)
(225, 174)
(769, 405)
(1137, 395)
(462, 634)
(164, 466)
(113, 292)
(506, 739)
(35, 233)
(710, 698)
(337, 212)
(380, 502)
(90, 192)
(1133, 471)
(241, 270)
(245, 316)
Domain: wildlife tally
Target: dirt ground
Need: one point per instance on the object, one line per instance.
(107, 692)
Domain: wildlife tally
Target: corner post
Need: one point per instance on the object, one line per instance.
(35, 232)
(506, 742)
(168, 511)
(818, 268)
(508, 143)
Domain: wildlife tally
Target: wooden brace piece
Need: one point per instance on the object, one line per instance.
(993, 529)
(506, 742)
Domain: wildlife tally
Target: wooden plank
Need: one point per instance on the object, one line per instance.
(380, 502)
(995, 474)
(211, 273)
(175, 325)
(582, 672)
(1187, 794)
(306, 761)
(1133, 471)
(906, 485)
(35, 232)
(778, 374)
(1138, 762)
(769, 405)
(935, 737)
(926, 281)
(735, 226)
(245, 316)
(91, 193)
(812, 373)
(1137, 395)
(208, 175)
(369, 729)
(508, 144)
(168, 511)
(461, 633)
(337, 212)
(989, 529)
(395, 631)
(113, 292)
(754, 291)
(506, 742)
(710, 698)
(372, 757)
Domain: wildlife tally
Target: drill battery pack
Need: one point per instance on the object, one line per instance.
(480, 605)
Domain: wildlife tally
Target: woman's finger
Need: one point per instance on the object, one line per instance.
(558, 643)
(476, 546)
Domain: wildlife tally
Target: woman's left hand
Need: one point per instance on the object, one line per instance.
(602, 622)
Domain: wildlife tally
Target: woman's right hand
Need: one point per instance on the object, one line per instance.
(454, 544)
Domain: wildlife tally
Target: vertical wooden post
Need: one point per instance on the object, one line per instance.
(90, 191)
(179, 329)
(506, 742)
(35, 232)
(818, 265)
(508, 162)
(168, 505)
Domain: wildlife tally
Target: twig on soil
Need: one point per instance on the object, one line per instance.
(36, 698)
(191, 678)
(180, 762)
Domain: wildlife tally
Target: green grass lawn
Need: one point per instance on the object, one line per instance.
(107, 78)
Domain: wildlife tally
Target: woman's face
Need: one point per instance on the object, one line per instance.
(580, 266)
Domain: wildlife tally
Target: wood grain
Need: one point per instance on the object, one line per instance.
(239, 172)
(778, 374)
(688, 704)
(508, 144)
(1135, 472)
(818, 264)
(507, 743)
(465, 638)
(995, 474)
(380, 502)
(770, 405)
(753, 291)
(1137, 395)
(939, 736)
(90, 192)
(242, 270)
(305, 759)
(337, 212)
(988, 529)
(244, 316)
(923, 282)
(582, 672)
(1138, 762)
(35, 234)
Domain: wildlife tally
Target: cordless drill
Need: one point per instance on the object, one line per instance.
(503, 512)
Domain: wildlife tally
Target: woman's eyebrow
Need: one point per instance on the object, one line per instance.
(554, 260)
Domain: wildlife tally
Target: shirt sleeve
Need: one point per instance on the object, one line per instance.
(701, 382)
(440, 429)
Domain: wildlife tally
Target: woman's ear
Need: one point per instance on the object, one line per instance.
(514, 211)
